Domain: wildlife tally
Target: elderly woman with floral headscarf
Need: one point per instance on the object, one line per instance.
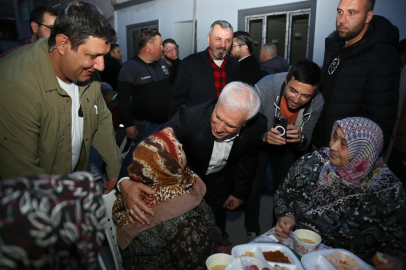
(348, 195)
(182, 233)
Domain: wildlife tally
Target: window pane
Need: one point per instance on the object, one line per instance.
(256, 32)
(276, 32)
(300, 28)
(24, 11)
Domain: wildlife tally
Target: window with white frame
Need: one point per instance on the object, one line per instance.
(289, 26)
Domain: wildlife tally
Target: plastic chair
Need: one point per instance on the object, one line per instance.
(110, 231)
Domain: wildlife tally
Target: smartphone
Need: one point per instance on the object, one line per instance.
(280, 123)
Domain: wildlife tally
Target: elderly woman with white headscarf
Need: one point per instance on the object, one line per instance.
(348, 195)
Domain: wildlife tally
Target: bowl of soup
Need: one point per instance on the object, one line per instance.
(218, 261)
(305, 241)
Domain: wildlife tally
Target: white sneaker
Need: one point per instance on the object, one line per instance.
(251, 236)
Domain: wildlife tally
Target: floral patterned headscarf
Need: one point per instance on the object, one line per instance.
(365, 173)
(365, 143)
(157, 162)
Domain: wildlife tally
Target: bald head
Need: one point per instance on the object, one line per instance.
(268, 51)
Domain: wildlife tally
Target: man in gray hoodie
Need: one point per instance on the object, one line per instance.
(292, 95)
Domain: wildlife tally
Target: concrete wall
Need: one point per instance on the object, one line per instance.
(169, 12)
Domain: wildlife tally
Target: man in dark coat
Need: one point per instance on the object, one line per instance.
(241, 50)
(203, 75)
(271, 63)
(112, 66)
(361, 70)
(221, 138)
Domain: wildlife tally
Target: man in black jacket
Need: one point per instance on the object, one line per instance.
(361, 70)
(241, 50)
(112, 66)
(221, 139)
(203, 75)
(143, 88)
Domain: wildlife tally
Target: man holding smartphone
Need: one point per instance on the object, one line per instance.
(290, 99)
(291, 102)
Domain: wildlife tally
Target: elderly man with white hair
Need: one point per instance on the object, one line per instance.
(221, 138)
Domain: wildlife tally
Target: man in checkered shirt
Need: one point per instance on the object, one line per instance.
(203, 75)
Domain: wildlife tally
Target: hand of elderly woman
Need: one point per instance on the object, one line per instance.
(393, 264)
(131, 196)
(284, 225)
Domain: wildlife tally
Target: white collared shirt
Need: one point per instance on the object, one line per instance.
(77, 122)
(220, 153)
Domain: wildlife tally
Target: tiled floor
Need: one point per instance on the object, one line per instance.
(235, 221)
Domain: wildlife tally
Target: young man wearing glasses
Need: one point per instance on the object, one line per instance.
(41, 22)
(241, 50)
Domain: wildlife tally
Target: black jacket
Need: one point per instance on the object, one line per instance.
(368, 84)
(195, 80)
(192, 128)
(111, 71)
(251, 72)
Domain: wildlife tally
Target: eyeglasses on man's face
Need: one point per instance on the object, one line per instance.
(237, 45)
(49, 26)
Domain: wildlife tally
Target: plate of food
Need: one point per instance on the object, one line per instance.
(277, 256)
(334, 259)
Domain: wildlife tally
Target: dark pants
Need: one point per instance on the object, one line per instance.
(281, 161)
(253, 202)
(218, 190)
(145, 129)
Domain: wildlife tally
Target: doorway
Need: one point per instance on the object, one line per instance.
(133, 36)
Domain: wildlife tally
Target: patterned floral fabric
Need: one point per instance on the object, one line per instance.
(51, 222)
(364, 141)
(191, 234)
(362, 216)
(182, 242)
(157, 163)
(156, 248)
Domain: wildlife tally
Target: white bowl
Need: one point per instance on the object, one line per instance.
(302, 247)
(218, 259)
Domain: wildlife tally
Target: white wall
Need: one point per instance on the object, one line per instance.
(166, 11)
(169, 12)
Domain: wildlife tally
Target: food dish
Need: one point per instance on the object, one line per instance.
(379, 259)
(303, 247)
(317, 260)
(275, 256)
(242, 263)
(258, 248)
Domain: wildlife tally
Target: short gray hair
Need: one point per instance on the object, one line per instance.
(242, 97)
(269, 49)
(225, 25)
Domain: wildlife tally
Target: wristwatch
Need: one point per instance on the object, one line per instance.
(303, 137)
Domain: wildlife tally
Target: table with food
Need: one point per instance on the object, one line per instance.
(302, 250)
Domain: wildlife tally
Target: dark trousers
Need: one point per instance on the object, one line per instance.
(253, 202)
(281, 161)
(218, 190)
